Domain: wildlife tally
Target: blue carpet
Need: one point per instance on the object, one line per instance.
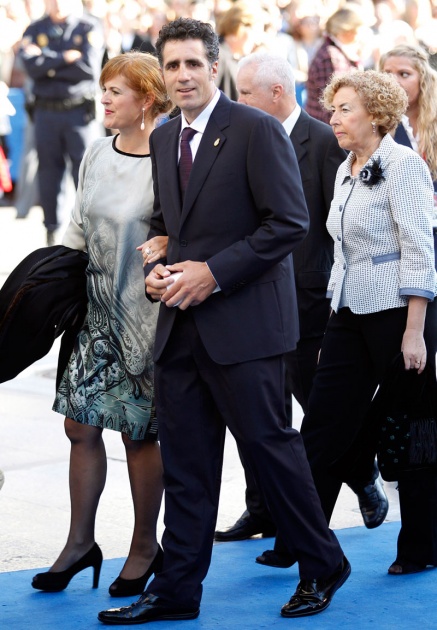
(238, 593)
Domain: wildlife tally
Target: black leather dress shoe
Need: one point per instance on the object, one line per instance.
(278, 559)
(246, 527)
(313, 596)
(147, 608)
(373, 503)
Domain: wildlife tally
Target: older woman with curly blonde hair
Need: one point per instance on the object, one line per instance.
(382, 288)
(379, 97)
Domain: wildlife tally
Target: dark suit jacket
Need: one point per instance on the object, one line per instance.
(319, 157)
(401, 137)
(243, 213)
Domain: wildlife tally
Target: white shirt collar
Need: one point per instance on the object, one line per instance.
(409, 131)
(289, 122)
(199, 123)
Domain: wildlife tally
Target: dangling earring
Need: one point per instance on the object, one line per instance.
(374, 127)
(142, 126)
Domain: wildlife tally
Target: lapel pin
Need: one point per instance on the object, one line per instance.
(217, 142)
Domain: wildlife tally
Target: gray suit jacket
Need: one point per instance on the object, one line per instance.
(384, 249)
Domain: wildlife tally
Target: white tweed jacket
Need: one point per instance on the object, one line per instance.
(383, 241)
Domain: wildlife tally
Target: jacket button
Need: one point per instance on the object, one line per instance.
(183, 243)
(344, 266)
(338, 237)
(341, 208)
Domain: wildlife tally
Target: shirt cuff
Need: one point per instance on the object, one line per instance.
(217, 289)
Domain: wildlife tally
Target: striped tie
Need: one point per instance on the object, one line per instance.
(186, 160)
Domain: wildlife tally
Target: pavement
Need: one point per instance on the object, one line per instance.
(34, 454)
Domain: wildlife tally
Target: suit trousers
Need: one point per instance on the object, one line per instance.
(356, 353)
(195, 399)
(300, 367)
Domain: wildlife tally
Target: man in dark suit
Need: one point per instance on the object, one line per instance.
(266, 81)
(224, 325)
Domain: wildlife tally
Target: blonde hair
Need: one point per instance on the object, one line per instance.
(143, 75)
(427, 119)
(344, 20)
(231, 20)
(380, 94)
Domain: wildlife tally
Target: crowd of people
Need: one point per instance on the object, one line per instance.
(317, 38)
(295, 30)
(266, 158)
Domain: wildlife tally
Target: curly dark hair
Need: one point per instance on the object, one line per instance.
(187, 28)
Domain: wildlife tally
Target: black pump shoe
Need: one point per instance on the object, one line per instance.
(54, 581)
(405, 567)
(125, 588)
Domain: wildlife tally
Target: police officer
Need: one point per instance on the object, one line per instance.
(62, 53)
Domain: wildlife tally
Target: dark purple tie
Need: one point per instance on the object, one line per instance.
(186, 160)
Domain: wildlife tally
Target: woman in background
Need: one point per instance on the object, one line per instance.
(240, 29)
(338, 53)
(418, 128)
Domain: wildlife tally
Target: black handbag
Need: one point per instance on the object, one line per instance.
(406, 422)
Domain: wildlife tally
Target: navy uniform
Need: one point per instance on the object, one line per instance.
(64, 99)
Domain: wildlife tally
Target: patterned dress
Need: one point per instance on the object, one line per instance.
(108, 381)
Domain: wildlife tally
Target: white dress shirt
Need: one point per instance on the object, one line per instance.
(289, 122)
(199, 124)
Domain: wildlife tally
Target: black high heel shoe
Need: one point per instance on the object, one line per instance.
(54, 581)
(125, 588)
(402, 567)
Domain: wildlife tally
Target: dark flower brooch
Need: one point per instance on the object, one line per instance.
(371, 175)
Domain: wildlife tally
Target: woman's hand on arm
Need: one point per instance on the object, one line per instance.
(154, 249)
(413, 344)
